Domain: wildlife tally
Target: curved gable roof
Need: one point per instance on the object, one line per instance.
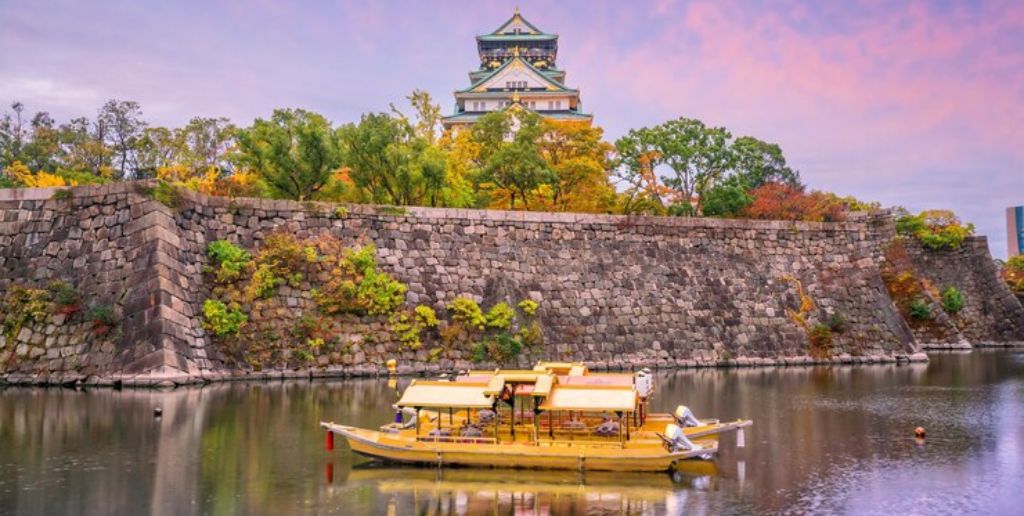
(517, 21)
(481, 84)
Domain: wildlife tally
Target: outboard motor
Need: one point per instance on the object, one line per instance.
(677, 441)
(684, 417)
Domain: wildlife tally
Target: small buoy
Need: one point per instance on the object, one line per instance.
(392, 365)
(157, 412)
(919, 432)
(330, 440)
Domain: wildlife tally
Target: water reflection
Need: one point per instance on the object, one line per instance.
(466, 491)
(824, 440)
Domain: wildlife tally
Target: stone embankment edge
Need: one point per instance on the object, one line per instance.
(42, 194)
(173, 381)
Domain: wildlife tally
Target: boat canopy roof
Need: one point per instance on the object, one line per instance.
(619, 380)
(559, 385)
(562, 368)
(431, 394)
(591, 398)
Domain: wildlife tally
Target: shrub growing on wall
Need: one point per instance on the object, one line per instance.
(821, 340)
(409, 326)
(952, 300)
(500, 316)
(23, 305)
(103, 318)
(1013, 273)
(920, 310)
(500, 335)
(935, 229)
(357, 287)
(67, 299)
(529, 307)
(342, 280)
(223, 319)
(228, 260)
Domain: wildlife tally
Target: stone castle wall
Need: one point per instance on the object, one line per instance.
(613, 290)
(992, 315)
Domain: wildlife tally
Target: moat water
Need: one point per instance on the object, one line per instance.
(825, 440)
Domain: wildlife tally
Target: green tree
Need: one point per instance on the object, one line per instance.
(727, 199)
(392, 164)
(433, 165)
(515, 164)
(120, 127)
(377, 154)
(13, 135)
(490, 133)
(757, 162)
(635, 160)
(697, 155)
(83, 148)
(295, 152)
(428, 115)
(158, 147)
(207, 143)
(42, 151)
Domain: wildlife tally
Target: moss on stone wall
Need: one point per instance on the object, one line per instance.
(294, 302)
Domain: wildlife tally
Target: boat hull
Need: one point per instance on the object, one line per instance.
(389, 448)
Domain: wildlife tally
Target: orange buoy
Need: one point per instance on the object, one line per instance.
(330, 440)
(919, 432)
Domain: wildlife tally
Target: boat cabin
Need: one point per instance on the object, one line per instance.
(554, 403)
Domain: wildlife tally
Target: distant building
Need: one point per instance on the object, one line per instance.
(517, 67)
(1015, 230)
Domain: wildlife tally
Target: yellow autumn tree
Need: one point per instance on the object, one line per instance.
(463, 154)
(211, 180)
(578, 155)
(22, 175)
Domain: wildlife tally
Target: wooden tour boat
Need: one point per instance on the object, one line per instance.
(555, 416)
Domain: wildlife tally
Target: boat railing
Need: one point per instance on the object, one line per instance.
(589, 443)
(456, 439)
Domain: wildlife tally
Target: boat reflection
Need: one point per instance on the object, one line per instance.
(516, 491)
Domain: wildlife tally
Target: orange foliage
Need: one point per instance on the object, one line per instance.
(1013, 273)
(211, 181)
(777, 201)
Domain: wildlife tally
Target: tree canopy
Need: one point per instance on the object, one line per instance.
(295, 152)
(509, 159)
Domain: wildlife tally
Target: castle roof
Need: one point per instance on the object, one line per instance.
(566, 115)
(482, 84)
(517, 27)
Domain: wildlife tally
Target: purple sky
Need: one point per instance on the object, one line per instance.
(918, 104)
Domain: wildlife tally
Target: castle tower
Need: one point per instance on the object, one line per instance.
(517, 66)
